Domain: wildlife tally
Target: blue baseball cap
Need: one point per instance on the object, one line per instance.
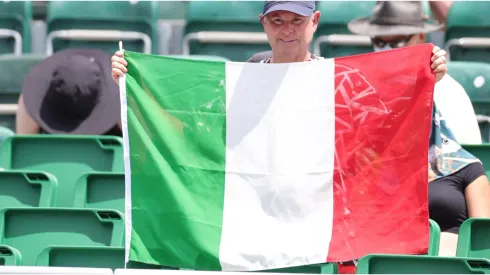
(304, 8)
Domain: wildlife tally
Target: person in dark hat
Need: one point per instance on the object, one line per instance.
(70, 92)
(458, 186)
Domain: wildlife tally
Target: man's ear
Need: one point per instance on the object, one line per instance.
(261, 18)
(316, 19)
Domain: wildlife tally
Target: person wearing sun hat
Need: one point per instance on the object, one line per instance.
(70, 92)
(458, 186)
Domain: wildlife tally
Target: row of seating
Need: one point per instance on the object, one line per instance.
(227, 28)
(62, 204)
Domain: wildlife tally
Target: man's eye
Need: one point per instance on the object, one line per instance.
(277, 21)
(297, 21)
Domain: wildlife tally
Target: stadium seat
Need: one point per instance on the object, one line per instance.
(9, 256)
(14, 69)
(475, 78)
(421, 264)
(66, 157)
(27, 189)
(224, 28)
(473, 239)
(328, 268)
(88, 256)
(101, 24)
(15, 27)
(468, 31)
(41, 270)
(31, 230)
(168, 10)
(435, 236)
(100, 190)
(332, 38)
(481, 151)
(5, 133)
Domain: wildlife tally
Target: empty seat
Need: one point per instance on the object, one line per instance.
(15, 27)
(66, 157)
(9, 256)
(27, 189)
(5, 133)
(482, 152)
(225, 28)
(328, 268)
(31, 230)
(91, 256)
(100, 190)
(435, 237)
(420, 264)
(469, 20)
(100, 24)
(14, 69)
(473, 240)
(335, 17)
(35, 270)
(475, 78)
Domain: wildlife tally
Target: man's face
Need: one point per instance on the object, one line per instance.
(397, 41)
(288, 32)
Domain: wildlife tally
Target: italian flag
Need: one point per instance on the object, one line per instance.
(247, 166)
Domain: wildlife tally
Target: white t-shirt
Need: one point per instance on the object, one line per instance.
(456, 109)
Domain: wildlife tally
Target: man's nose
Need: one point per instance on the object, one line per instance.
(287, 29)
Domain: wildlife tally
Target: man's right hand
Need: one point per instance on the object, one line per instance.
(118, 66)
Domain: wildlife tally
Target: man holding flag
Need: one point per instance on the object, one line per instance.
(263, 170)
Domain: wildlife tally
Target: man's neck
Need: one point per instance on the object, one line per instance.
(277, 58)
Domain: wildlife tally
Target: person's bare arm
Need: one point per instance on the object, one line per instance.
(477, 198)
(440, 9)
(24, 124)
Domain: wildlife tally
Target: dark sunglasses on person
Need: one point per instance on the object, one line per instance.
(379, 43)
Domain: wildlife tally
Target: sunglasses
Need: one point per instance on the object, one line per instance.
(398, 43)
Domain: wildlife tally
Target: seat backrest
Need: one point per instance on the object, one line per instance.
(102, 190)
(335, 17)
(473, 238)
(31, 230)
(468, 19)
(14, 69)
(103, 15)
(482, 152)
(16, 16)
(9, 256)
(88, 256)
(228, 16)
(475, 79)
(27, 189)
(66, 157)
(435, 237)
(420, 264)
(5, 132)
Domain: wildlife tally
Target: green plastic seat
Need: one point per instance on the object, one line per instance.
(171, 10)
(27, 189)
(475, 78)
(14, 69)
(100, 190)
(88, 256)
(15, 16)
(482, 152)
(9, 256)
(468, 19)
(119, 16)
(5, 133)
(421, 264)
(473, 240)
(335, 17)
(238, 17)
(67, 157)
(435, 237)
(327, 268)
(31, 230)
